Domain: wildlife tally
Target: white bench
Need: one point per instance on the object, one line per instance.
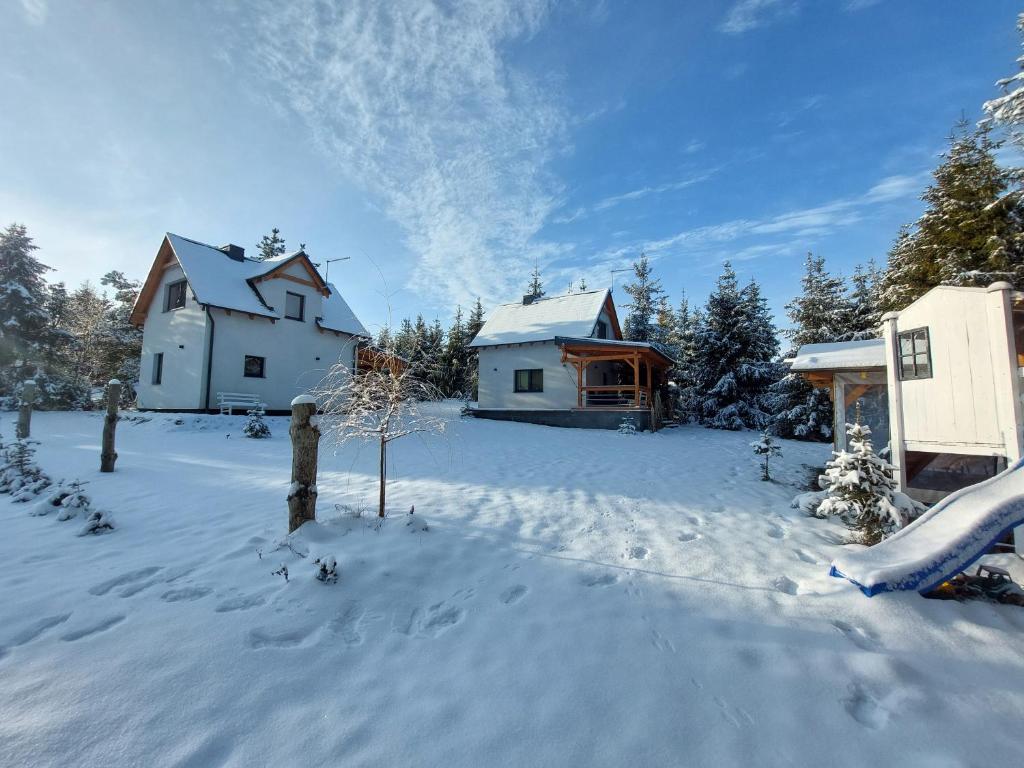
(228, 400)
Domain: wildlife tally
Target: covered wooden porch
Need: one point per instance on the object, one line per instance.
(615, 375)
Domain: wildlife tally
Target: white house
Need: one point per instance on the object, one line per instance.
(562, 361)
(942, 386)
(215, 322)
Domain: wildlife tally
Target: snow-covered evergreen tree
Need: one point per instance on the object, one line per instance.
(765, 449)
(732, 365)
(454, 361)
(645, 292)
(535, 288)
(972, 231)
(1008, 110)
(862, 318)
(255, 427)
(24, 322)
(861, 489)
(473, 326)
(270, 246)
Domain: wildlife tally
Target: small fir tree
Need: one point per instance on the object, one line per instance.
(256, 427)
(270, 246)
(766, 448)
(861, 489)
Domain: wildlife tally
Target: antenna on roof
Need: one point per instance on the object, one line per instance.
(327, 270)
(614, 271)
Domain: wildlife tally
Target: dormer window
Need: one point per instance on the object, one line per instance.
(601, 331)
(175, 298)
(295, 306)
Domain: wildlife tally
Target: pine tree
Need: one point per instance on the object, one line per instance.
(862, 318)
(473, 326)
(820, 315)
(535, 288)
(732, 365)
(383, 340)
(646, 293)
(1008, 110)
(270, 246)
(24, 323)
(454, 359)
(583, 284)
(972, 231)
(765, 449)
(121, 346)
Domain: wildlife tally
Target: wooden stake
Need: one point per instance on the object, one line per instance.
(383, 475)
(108, 455)
(305, 436)
(28, 398)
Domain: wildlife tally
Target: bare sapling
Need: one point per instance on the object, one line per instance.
(107, 454)
(382, 401)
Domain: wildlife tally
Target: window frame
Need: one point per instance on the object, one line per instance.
(245, 367)
(158, 369)
(534, 380)
(601, 330)
(184, 295)
(912, 373)
(302, 306)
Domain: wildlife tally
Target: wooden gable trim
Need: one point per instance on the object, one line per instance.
(164, 258)
(315, 281)
(609, 308)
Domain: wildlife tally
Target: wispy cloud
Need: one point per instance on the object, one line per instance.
(418, 103)
(36, 11)
(785, 233)
(746, 15)
(636, 194)
(859, 5)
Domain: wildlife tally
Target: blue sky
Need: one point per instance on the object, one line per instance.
(447, 147)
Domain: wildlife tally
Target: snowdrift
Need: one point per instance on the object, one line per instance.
(941, 543)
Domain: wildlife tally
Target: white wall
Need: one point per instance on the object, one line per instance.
(497, 377)
(291, 347)
(180, 335)
(961, 408)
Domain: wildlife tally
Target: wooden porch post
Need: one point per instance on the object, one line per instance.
(579, 384)
(636, 380)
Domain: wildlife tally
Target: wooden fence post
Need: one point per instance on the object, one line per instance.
(108, 455)
(305, 434)
(28, 398)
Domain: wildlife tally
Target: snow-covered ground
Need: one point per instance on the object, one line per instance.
(578, 598)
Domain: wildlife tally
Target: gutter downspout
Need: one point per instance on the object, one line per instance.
(209, 360)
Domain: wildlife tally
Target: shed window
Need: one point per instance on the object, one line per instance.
(175, 295)
(915, 354)
(294, 306)
(529, 380)
(158, 368)
(254, 366)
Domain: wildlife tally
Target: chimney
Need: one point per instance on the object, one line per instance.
(528, 299)
(235, 252)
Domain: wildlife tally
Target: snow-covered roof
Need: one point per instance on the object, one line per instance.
(545, 318)
(221, 281)
(336, 315)
(842, 355)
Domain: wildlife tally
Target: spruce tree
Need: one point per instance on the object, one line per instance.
(270, 246)
(645, 292)
(24, 323)
(861, 316)
(454, 358)
(535, 288)
(473, 326)
(1008, 110)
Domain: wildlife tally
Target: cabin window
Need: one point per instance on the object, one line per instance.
(158, 368)
(254, 366)
(915, 354)
(294, 306)
(175, 295)
(529, 380)
(601, 332)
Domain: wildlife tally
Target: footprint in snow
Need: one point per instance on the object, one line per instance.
(775, 531)
(864, 708)
(514, 594)
(786, 585)
(185, 594)
(602, 580)
(125, 578)
(438, 618)
(806, 556)
(94, 628)
(347, 624)
(638, 553)
(261, 637)
(858, 636)
(241, 603)
(661, 642)
(36, 628)
(687, 536)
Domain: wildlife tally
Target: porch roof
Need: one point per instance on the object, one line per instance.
(578, 344)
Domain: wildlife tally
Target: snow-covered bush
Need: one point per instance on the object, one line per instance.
(255, 427)
(627, 426)
(97, 522)
(862, 492)
(765, 448)
(327, 569)
(19, 474)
